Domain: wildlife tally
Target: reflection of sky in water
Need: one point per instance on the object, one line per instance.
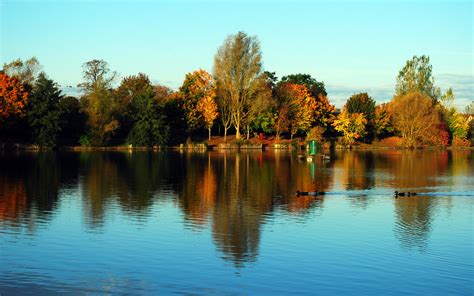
(184, 225)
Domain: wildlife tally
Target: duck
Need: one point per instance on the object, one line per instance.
(313, 193)
(397, 194)
(303, 193)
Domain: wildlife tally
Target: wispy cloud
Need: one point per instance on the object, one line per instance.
(463, 87)
(339, 94)
(71, 91)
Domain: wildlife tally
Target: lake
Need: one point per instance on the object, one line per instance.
(230, 223)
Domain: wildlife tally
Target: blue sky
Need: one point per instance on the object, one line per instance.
(352, 46)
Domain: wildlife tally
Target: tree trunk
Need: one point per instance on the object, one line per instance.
(209, 134)
(237, 133)
(248, 133)
(225, 135)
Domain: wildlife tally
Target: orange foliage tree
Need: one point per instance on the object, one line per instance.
(208, 108)
(13, 97)
(323, 111)
(416, 119)
(197, 85)
(295, 102)
(198, 93)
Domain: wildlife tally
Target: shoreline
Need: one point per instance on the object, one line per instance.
(227, 147)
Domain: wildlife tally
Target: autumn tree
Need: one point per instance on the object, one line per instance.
(162, 93)
(470, 111)
(351, 125)
(414, 117)
(25, 71)
(457, 125)
(198, 93)
(44, 111)
(363, 103)
(416, 76)
(239, 78)
(207, 106)
(13, 97)
(98, 101)
(295, 106)
(261, 105)
(314, 87)
(382, 121)
(323, 111)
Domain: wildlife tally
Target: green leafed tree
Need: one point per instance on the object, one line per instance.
(458, 126)
(314, 87)
(416, 76)
(129, 89)
(364, 104)
(44, 111)
(149, 128)
(361, 103)
(98, 102)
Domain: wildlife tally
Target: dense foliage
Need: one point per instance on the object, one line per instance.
(240, 97)
(45, 112)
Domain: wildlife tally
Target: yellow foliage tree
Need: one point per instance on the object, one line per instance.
(198, 93)
(415, 117)
(351, 125)
(207, 106)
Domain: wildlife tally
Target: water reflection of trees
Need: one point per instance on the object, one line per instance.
(29, 187)
(355, 171)
(237, 192)
(116, 179)
(232, 193)
(415, 171)
(413, 224)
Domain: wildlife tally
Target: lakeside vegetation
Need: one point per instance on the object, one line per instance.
(239, 97)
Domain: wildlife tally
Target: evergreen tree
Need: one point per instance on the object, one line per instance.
(44, 111)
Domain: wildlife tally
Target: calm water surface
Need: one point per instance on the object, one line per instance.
(230, 223)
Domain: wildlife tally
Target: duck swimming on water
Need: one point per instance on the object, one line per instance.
(397, 194)
(304, 193)
(313, 193)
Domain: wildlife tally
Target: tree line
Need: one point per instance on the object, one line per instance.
(239, 96)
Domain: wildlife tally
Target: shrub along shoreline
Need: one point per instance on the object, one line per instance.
(231, 146)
